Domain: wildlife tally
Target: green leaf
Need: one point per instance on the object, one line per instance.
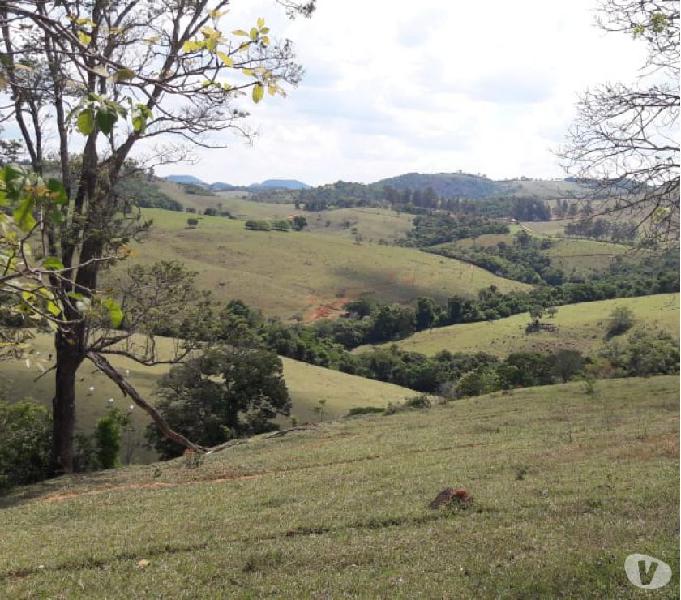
(258, 92)
(84, 38)
(261, 23)
(240, 32)
(225, 59)
(115, 311)
(106, 119)
(192, 46)
(23, 215)
(53, 309)
(52, 263)
(86, 121)
(254, 34)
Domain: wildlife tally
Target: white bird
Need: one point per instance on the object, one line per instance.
(111, 400)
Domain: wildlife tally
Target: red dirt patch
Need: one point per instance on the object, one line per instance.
(320, 309)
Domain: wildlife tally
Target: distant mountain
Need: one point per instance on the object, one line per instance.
(221, 186)
(284, 184)
(447, 185)
(186, 179)
(475, 187)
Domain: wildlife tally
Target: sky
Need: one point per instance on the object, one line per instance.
(431, 86)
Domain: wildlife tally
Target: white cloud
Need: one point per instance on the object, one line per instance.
(437, 85)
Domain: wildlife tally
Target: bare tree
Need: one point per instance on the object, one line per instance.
(625, 142)
(99, 78)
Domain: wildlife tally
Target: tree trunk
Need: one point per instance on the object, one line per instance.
(69, 357)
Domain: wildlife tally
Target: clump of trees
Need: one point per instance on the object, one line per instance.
(644, 352)
(524, 259)
(440, 228)
(603, 229)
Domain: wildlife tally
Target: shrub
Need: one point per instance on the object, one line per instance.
(621, 320)
(420, 401)
(646, 352)
(258, 225)
(365, 410)
(281, 225)
(192, 222)
(25, 443)
(108, 433)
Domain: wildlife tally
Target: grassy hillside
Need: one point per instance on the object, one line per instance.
(307, 385)
(293, 274)
(564, 486)
(581, 326)
(584, 257)
(340, 392)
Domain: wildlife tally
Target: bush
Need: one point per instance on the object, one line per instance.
(646, 352)
(365, 410)
(108, 432)
(25, 443)
(420, 401)
(211, 212)
(281, 225)
(621, 320)
(192, 222)
(258, 225)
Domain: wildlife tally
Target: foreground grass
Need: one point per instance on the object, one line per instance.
(307, 385)
(565, 486)
(580, 326)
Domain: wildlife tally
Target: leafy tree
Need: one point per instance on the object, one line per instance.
(426, 313)
(567, 363)
(105, 76)
(227, 392)
(299, 222)
(625, 141)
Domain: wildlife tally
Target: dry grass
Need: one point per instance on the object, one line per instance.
(342, 510)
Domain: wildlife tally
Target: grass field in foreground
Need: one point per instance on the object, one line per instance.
(307, 385)
(296, 273)
(565, 486)
(580, 326)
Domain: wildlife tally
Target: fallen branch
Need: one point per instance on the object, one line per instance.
(128, 390)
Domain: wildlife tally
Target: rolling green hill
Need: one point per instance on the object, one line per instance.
(565, 485)
(580, 326)
(295, 274)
